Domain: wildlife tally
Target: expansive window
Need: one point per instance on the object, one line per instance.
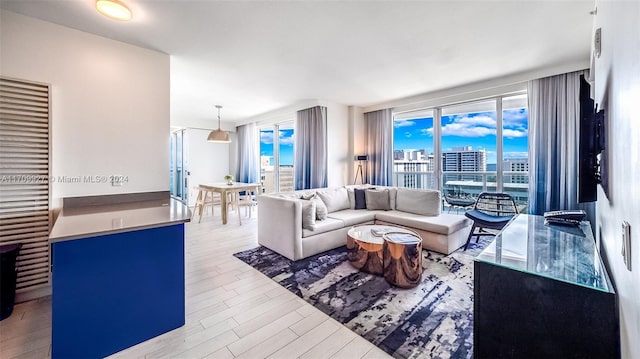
(481, 146)
(276, 157)
(413, 157)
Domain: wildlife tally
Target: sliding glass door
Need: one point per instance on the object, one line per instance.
(476, 146)
(178, 174)
(276, 157)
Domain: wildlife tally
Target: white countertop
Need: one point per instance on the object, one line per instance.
(102, 220)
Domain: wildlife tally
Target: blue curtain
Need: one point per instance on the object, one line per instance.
(248, 170)
(378, 127)
(310, 152)
(554, 132)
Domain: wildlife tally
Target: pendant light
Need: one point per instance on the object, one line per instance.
(219, 136)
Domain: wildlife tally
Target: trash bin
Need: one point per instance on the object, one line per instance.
(8, 276)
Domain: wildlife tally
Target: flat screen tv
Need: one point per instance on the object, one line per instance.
(592, 143)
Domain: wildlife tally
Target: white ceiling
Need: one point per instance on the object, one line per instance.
(254, 57)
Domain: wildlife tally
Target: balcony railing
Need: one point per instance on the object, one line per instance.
(467, 184)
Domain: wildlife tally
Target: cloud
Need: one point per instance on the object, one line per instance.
(408, 134)
(466, 130)
(485, 121)
(287, 141)
(266, 137)
(403, 123)
(509, 133)
(427, 131)
(515, 118)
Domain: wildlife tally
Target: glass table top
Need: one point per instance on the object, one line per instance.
(558, 252)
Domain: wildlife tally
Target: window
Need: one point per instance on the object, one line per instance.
(276, 158)
(515, 149)
(481, 146)
(178, 186)
(413, 157)
(469, 149)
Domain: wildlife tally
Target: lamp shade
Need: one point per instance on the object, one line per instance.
(218, 136)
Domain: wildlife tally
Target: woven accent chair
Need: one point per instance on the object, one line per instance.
(491, 211)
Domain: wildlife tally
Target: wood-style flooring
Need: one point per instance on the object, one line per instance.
(232, 310)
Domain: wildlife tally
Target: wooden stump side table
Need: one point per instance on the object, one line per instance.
(393, 252)
(402, 253)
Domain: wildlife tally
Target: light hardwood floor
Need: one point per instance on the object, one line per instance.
(232, 310)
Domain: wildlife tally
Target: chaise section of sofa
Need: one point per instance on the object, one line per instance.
(286, 227)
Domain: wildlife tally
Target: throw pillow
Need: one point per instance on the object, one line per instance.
(359, 198)
(309, 215)
(321, 209)
(423, 202)
(377, 199)
(336, 199)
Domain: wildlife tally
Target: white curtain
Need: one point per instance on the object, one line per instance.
(248, 170)
(554, 130)
(310, 151)
(378, 127)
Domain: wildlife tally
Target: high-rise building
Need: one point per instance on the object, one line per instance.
(516, 165)
(414, 169)
(464, 159)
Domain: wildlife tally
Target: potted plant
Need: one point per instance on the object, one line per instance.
(228, 179)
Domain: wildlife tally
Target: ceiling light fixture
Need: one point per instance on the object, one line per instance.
(114, 9)
(219, 136)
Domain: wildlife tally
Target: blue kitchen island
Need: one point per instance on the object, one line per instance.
(118, 276)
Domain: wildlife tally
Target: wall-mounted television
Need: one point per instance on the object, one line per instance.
(592, 160)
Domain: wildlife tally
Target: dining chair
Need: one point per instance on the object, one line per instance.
(246, 200)
(205, 198)
(491, 211)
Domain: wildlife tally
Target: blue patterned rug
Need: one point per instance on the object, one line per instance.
(434, 319)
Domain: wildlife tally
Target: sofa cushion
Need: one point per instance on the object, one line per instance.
(329, 224)
(308, 215)
(378, 199)
(443, 224)
(352, 217)
(424, 202)
(335, 199)
(321, 209)
(393, 192)
(351, 194)
(360, 198)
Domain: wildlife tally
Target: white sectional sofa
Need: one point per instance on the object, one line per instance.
(294, 223)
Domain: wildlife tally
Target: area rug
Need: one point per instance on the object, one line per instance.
(434, 319)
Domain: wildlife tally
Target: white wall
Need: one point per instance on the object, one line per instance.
(109, 101)
(617, 88)
(207, 162)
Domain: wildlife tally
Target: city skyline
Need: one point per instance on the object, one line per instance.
(477, 130)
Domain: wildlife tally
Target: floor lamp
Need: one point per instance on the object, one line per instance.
(360, 158)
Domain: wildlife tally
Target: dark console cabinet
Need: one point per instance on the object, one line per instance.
(541, 291)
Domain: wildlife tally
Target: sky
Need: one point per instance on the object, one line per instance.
(473, 129)
(286, 140)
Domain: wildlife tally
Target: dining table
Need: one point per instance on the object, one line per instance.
(229, 188)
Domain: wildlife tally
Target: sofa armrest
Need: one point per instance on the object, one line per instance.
(280, 225)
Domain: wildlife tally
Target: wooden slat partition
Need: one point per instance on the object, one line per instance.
(24, 177)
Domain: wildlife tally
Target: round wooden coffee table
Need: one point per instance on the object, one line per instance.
(365, 249)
